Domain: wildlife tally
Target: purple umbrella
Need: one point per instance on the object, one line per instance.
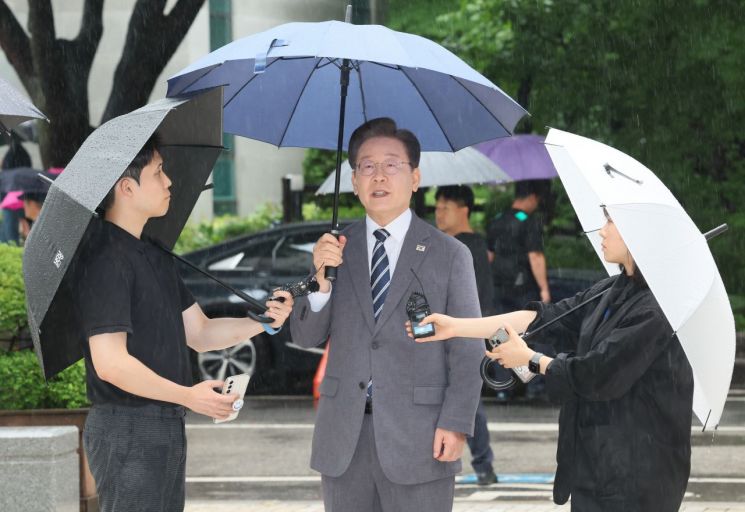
(522, 157)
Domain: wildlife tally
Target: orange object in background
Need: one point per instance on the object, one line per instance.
(320, 372)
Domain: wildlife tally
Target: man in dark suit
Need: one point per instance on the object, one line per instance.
(394, 414)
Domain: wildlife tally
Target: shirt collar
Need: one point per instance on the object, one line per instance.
(397, 227)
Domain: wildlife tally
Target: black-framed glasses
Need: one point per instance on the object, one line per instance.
(390, 166)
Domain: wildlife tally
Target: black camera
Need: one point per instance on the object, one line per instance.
(416, 309)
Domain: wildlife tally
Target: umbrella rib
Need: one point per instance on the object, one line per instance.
(403, 71)
(207, 72)
(362, 92)
(297, 102)
(250, 79)
(484, 106)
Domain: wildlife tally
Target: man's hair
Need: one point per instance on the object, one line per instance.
(540, 188)
(384, 127)
(460, 194)
(38, 197)
(134, 169)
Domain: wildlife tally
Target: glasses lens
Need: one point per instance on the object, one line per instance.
(366, 167)
(392, 166)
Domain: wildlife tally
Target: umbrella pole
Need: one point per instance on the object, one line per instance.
(247, 298)
(330, 272)
(529, 334)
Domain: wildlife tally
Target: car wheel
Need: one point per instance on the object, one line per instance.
(246, 357)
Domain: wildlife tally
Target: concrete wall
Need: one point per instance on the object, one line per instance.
(259, 167)
(39, 469)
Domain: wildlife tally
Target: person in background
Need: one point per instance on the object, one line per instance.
(452, 215)
(515, 241)
(15, 157)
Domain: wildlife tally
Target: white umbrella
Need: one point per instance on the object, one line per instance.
(438, 168)
(669, 249)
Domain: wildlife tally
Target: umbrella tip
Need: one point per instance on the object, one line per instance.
(348, 14)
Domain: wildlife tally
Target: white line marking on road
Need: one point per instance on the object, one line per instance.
(494, 495)
(251, 479)
(251, 426)
(532, 488)
(493, 427)
(715, 480)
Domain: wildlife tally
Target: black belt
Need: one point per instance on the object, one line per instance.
(368, 407)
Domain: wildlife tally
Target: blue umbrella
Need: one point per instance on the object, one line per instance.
(312, 84)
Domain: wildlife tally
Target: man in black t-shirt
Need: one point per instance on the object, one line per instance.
(452, 214)
(515, 241)
(138, 319)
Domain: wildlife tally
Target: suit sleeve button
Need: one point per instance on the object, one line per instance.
(362, 385)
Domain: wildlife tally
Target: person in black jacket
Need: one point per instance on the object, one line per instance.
(624, 383)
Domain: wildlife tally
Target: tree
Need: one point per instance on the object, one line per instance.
(659, 80)
(55, 71)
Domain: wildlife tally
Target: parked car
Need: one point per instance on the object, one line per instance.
(256, 264)
(260, 262)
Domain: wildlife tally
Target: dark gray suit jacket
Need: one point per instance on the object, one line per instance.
(417, 386)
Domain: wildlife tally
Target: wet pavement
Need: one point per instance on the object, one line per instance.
(260, 461)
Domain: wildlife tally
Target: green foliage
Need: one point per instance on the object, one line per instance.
(670, 94)
(22, 385)
(12, 292)
(197, 236)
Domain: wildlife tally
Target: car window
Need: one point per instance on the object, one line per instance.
(280, 255)
(258, 257)
(294, 255)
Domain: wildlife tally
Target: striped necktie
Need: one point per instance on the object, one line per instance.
(380, 275)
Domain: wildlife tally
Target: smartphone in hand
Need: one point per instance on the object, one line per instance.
(235, 385)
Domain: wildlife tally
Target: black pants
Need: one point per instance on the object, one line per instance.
(137, 456)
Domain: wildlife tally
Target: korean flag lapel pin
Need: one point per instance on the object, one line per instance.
(420, 247)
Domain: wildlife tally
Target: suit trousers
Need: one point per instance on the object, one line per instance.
(364, 487)
(137, 456)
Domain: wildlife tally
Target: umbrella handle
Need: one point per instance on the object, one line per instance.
(330, 272)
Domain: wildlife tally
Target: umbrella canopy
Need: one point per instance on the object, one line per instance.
(522, 157)
(282, 87)
(191, 134)
(669, 249)
(15, 108)
(25, 180)
(12, 200)
(438, 169)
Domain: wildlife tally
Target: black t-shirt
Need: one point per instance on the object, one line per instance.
(477, 245)
(129, 285)
(511, 236)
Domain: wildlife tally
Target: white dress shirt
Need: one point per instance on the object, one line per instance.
(397, 229)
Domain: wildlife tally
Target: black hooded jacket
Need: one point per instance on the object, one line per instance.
(626, 393)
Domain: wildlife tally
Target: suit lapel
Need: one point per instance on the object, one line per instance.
(355, 260)
(413, 252)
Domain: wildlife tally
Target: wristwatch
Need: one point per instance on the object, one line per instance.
(534, 365)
